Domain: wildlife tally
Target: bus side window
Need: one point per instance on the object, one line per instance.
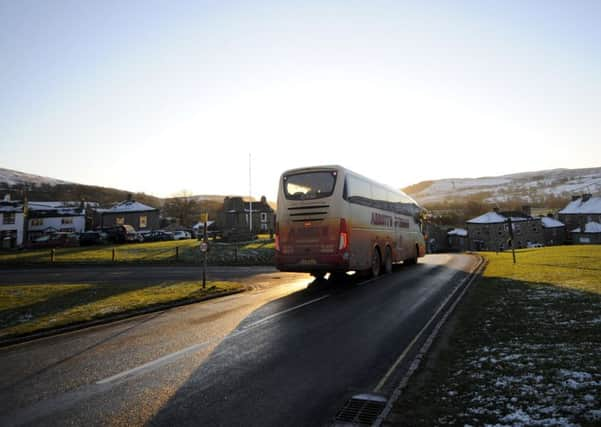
(345, 189)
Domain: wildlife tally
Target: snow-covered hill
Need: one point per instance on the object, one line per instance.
(9, 177)
(529, 187)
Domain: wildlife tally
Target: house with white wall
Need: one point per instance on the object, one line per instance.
(50, 217)
(11, 224)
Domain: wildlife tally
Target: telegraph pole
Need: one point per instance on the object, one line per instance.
(510, 226)
(250, 197)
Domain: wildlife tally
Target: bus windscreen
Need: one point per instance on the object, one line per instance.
(310, 185)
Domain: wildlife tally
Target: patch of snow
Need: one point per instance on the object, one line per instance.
(128, 206)
(458, 232)
(589, 227)
(591, 206)
(517, 416)
(488, 218)
(551, 222)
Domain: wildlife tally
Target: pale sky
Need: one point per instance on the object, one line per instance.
(160, 96)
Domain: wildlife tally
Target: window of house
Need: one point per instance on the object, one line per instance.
(263, 227)
(143, 221)
(8, 218)
(37, 221)
(66, 220)
(263, 216)
(120, 220)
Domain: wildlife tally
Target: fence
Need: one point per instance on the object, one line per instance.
(218, 254)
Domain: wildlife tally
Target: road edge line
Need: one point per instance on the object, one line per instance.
(475, 273)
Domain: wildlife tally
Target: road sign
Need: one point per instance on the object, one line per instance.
(204, 217)
(204, 246)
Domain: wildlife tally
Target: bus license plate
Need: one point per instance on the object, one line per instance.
(308, 261)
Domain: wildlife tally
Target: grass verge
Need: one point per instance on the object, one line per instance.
(522, 349)
(26, 309)
(259, 252)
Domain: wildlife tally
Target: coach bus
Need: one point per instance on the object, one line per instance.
(332, 220)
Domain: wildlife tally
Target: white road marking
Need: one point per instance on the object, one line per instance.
(193, 348)
(417, 337)
(271, 316)
(154, 363)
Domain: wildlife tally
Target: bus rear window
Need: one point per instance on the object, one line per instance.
(310, 185)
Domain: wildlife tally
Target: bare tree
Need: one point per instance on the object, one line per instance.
(182, 206)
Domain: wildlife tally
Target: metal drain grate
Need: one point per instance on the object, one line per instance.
(360, 410)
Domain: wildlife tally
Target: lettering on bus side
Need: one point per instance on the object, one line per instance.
(380, 219)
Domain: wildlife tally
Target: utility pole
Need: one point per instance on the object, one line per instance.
(25, 216)
(204, 247)
(250, 197)
(510, 226)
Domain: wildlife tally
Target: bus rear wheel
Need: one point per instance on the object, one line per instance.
(376, 263)
(388, 261)
(413, 261)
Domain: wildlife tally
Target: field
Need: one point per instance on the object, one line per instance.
(259, 252)
(523, 348)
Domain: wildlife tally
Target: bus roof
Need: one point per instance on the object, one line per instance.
(338, 167)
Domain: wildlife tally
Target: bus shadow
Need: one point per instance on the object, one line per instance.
(279, 356)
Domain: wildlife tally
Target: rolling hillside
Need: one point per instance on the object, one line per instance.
(536, 188)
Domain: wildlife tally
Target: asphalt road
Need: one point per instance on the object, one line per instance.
(286, 352)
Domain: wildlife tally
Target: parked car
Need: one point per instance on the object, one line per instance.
(55, 240)
(157, 235)
(165, 235)
(121, 233)
(181, 235)
(145, 235)
(93, 238)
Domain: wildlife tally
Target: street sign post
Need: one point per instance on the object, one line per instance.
(204, 247)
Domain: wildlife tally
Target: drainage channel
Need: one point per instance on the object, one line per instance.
(360, 410)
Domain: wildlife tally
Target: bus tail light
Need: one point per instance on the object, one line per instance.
(277, 237)
(343, 240)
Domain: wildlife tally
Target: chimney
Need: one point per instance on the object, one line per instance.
(575, 197)
(129, 197)
(527, 210)
(264, 200)
(586, 197)
(496, 209)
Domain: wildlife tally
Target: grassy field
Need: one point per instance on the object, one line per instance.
(523, 348)
(30, 308)
(259, 252)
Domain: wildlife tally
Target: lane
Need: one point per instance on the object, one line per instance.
(287, 354)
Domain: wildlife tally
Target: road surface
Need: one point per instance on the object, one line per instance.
(287, 352)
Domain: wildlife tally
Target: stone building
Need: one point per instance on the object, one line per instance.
(234, 218)
(457, 238)
(490, 232)
(581, 210)
(590, 234)
(554, 231)
(436, 238)
(136, 214)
